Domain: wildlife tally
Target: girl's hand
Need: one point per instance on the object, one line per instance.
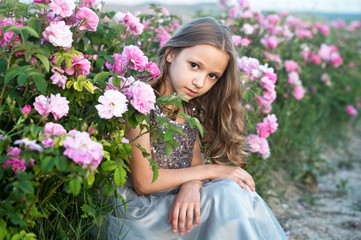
(184, 205)
(235, 173)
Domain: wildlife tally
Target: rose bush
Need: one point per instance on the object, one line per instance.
(70, 75)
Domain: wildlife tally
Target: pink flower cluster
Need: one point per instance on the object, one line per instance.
(249, 66)
(330, 54)
(131, 57)
(270, 41)
(112, 103)
(153, 69)
(59, 34)
(131, 22)
(268, 126)
(51, 130)
(80, 148)
(162, 35)
(293, 69)
(8, 36)
(56, 104)
(16, 162)
(142, 97)
(29, 144)
(238, 40)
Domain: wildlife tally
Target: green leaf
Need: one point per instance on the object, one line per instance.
(61, 163)
(169, 148)
(109, 165)
(13, 28)
(169, 133)
(26, 187)
(120, 176)
(11, 73)
(40, 83)
(47, 164)
(78, 86)
(91, 178)
(22, 78)
(89, 86)
(75, 186)
(68, 62)
(199, 127)
(3, 65)
(100, 77)
(59, 60)
(31, 31)
(108, 189)
(44, 60)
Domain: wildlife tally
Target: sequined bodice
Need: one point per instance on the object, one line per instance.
(181, 156)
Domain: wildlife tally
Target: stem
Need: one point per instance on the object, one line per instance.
(51, 192)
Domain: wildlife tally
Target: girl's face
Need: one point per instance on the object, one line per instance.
(195, 70)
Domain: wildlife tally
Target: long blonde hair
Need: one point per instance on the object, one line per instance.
(223, 117)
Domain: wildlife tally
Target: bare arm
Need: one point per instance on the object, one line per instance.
(142, 174)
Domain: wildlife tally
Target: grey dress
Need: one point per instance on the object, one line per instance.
(227, 211)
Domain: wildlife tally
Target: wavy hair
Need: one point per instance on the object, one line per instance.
(223, 116)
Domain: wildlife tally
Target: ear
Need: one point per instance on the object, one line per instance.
(169, 54)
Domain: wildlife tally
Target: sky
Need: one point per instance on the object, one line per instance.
(334, 6)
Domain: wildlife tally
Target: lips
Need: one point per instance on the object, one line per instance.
(191, 92)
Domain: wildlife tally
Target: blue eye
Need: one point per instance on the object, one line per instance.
(194, 65)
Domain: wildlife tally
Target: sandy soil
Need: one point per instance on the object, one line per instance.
(334, 212)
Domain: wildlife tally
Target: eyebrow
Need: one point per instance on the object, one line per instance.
(200, 63)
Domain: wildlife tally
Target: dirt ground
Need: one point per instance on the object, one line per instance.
(334, 212)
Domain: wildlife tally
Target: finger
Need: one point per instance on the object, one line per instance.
(182, 219)
(197, 211)
(240, 182)
(175, 215)
(170, 214)
(189, 219)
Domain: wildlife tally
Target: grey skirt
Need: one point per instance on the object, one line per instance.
(227, 212)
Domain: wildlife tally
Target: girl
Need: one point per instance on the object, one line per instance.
(199, 62)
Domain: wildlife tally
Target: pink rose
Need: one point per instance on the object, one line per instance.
(112, 103)
(16, 163)
(298, 92)
(271, 76)
(292, 66)
(51, 129)
(87, 18)
(82, 149)
(42, 105)
(294, 78)
(59, 106)
(58, 79)
(64, 8)
(143, 97)
(268, 126)
(351, 110)
(119, 64)
(162, 35)
(134, 57)
(59, 34)
(259, 145)
(79, 64)
(131, 22)
(87, 3)
(270, 42)
(153, 69)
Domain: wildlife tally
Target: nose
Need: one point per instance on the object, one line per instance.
(199, 81)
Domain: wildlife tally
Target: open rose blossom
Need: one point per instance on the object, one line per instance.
(56, 104)
(298, 92)
(134, 57)
(87, 18)
(113, 103)
(131, 22)
(142, 95)
(267, 126)
(50, 130)
(64, 8)
(80, 148)
(258, 144)
(79, 65)
(153, 69)
(59, 34)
